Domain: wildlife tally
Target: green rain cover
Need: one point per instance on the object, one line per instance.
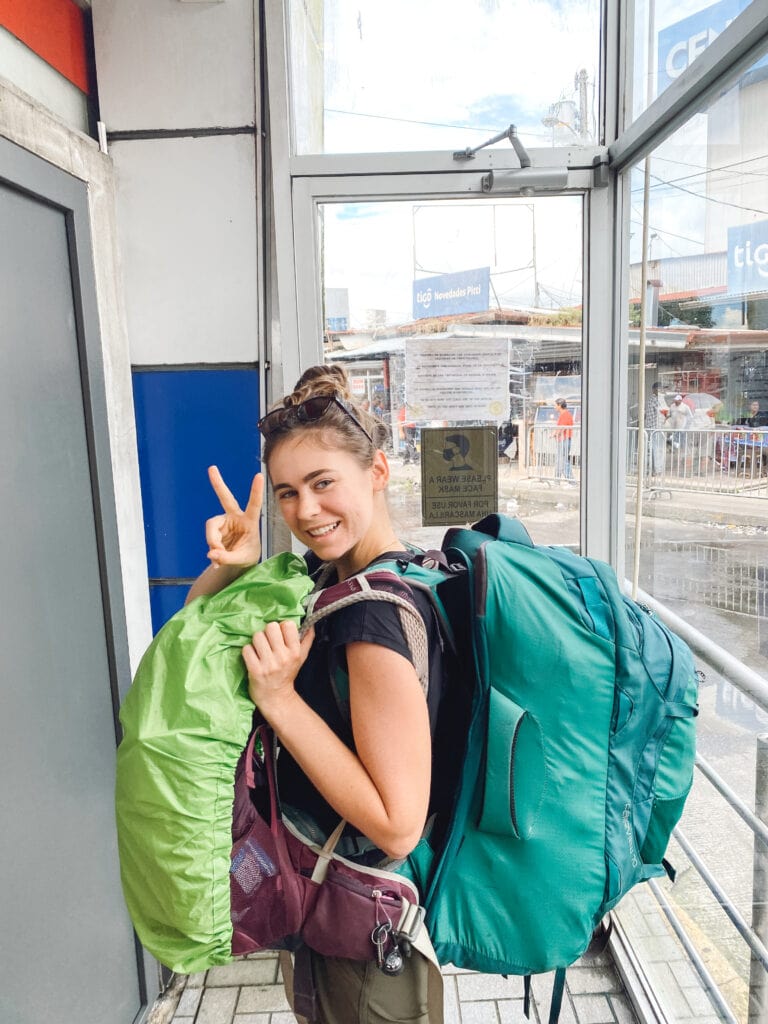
(186, 720)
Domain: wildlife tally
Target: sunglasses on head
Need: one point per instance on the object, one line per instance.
(309, 411)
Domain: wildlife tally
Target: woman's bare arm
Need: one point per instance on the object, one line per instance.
(383, 789)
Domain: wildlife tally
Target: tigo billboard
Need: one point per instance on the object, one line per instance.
(448, 294)
(748, 258)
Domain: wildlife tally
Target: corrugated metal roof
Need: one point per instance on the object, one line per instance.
(683, 276)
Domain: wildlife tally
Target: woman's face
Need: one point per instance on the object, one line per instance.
(328, 500)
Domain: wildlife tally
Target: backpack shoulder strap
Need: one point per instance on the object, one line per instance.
(506, 528)
(378, 584)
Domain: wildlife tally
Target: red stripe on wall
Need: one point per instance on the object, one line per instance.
(54, 30)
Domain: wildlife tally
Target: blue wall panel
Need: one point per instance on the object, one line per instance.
(187, 420)
(165, 601)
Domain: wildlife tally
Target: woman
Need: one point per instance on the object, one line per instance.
(329, 478)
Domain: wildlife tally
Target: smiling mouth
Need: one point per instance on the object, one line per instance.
(323, 531)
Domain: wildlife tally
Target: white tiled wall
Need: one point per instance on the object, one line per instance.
(166, 64)
(187, 215)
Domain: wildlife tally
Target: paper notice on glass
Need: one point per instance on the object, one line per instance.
(457, 379)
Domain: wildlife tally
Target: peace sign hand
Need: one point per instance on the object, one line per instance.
(233, 537)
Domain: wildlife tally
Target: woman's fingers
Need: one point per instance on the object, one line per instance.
(280, 639)
(223, 493)
(213, 530)
(273, 659)
(233, 537)
(278, 645)
(222, 539)
(255, 498)
(228, 501)
(268, 639)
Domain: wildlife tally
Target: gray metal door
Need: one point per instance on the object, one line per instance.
(67, 950)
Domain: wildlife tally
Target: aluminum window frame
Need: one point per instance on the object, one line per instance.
(600, 481)
(713, 71)
(298, 184)
(737, 46)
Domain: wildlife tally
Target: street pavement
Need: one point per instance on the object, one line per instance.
(249, 991)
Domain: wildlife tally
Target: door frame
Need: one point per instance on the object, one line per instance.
(298, 183)
(29, 174)
(602, 487)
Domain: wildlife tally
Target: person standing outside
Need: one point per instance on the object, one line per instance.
(679, 420)
(563, 437)
(756, 418)
(654, 420)
(407, 436)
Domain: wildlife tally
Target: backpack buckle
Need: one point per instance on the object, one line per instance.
(410, 923)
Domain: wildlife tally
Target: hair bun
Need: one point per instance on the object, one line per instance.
(352, 421)
(327, 379)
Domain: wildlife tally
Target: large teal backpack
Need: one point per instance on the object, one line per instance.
(571, 723)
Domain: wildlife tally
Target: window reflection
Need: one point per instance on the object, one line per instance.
(700, 466)
(380, 77)
(669, 36)
(706, 313)
(465, 314)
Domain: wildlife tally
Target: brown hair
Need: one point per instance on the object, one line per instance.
(335, 429)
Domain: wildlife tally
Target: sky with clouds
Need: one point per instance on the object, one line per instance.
(440, 74)
(377, 250)
(447, 74)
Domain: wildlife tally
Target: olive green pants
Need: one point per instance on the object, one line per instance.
(357, 992)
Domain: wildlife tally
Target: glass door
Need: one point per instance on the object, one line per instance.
(459, 322)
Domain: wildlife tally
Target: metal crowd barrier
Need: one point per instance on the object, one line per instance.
(550, 461)
(724, 460)
(754, 933)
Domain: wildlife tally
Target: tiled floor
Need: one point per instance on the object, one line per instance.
(249, 991)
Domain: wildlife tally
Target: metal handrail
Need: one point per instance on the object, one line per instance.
(743, 678)
(754, 686)
(723, 900)
(710, 985)
(732, 799)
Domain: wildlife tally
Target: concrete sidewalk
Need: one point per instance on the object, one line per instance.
(250, 991)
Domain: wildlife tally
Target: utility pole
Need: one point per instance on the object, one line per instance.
(580, 85)
(536, 295)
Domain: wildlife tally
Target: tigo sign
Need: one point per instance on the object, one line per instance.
(748, 258)
(464, 292)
